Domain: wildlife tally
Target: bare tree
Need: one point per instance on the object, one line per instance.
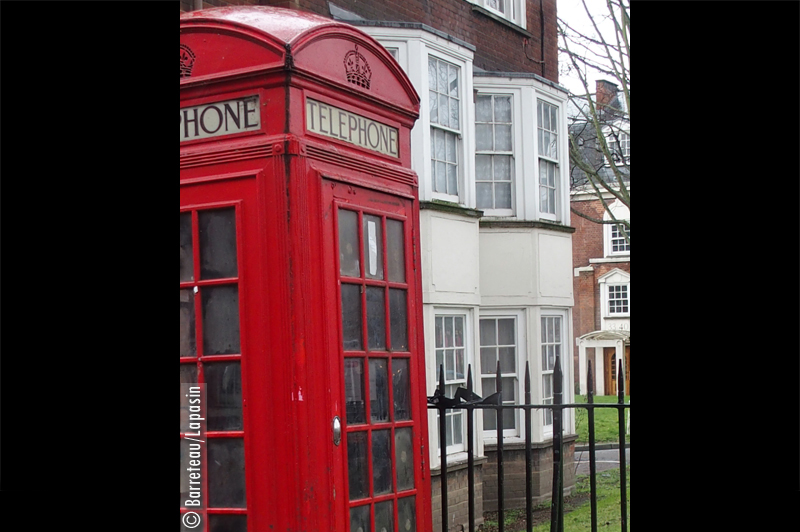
(600, 123)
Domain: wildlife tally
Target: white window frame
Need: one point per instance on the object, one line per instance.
(452, 384)
(549, 161)
(515, 142)
(520, 328)
(448, 132)
(608, 300)
(621, 212)
(514, 11)
(543, 343)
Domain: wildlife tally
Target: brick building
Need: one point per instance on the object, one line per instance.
(601, 261)
(490, 152)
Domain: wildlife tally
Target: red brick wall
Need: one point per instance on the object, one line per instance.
(499, 47)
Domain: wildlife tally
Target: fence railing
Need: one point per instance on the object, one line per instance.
(465, 399)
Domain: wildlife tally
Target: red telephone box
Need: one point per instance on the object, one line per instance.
(300, 279)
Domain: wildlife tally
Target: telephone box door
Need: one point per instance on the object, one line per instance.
(376, 360)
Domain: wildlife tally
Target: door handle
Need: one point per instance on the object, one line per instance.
(337, 431)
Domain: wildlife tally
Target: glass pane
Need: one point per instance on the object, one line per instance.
(483, 109)
(187, 257)
(502, 109)
(453, 81)
(488, 360)
(406, 515)
(483, 167)
(442, 87)
(395, 244)
(509, 389)
(508, 359)
(509, 419)
(186, 493)
(455, 115)
(450, 144)
(188, 343)
(502, 167)
(489, 419)
(384, 516)
(348, 243)
(485, 199)
(460, 375)
(441, 177)
(357, 466)
(452, 179)
(488, 332)
(227, 523)
(381, 462)
(226, 473)
(224, 396)
(351, 317)
(400, 384)
(503, 195)
(433, 107)
(188, 376)
(444, 111)
(378, 390)
(220, 320)
(376, 317)
(502, 138)
(439, 332)
(458, 431)
(373, 247)
(432, 76)
(505, 332)
(217, 243)
(398, 314)
(354, 391)
(359, 519)
(483, 137)
(404, 459)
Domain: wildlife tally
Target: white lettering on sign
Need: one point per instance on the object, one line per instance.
(220, 118)
(337, 123)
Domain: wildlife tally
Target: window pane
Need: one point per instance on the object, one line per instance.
(384, 516)
(188, 343)
(359, 519)
(381, 462)
(217, 243)
(227, 523)
(396, 251)
(187, 257)
(432, 75)
(502, 109)
(455, 115)
(357, 470)
(488, 360)
(502, 138)
(406, 514)
(376, 317)
(378, 390)
(354, 391)
(508, 359)
(442, 87)
(444, 111)
(399, 319)
(450, 142)
(433, 100)
(404, 459)
(226, 473)
(502, 195)
(188, 376)
(220, 320)
(484, 192)
(373, 247)
(483, 137)
(351, 317)
(453, 81)
(488, 332)
(483, 109)
(224, 395)
(348, 243)
(505, 332)
(400, 383)
(452, 179)
(483, 167)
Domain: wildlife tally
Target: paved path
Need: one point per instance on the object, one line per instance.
(605, 459)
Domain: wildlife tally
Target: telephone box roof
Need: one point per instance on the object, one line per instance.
(249, 40)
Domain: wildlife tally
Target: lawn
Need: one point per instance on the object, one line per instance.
(606, 420)
(577, 508)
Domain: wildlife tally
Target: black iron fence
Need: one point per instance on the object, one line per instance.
(465, 399)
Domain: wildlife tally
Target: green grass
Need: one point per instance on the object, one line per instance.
(608, 504)
(606, 420)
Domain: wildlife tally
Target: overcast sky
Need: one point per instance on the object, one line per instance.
(573, 12)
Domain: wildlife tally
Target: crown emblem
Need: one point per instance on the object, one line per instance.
(187, 61)
(357, 68)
